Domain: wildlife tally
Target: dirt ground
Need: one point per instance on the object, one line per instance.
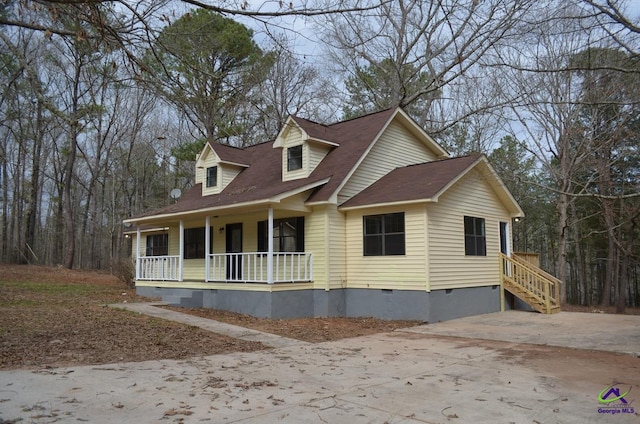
(52, 317)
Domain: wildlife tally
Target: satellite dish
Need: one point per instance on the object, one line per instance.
(175, 193)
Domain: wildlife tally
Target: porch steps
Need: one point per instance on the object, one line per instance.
(188, 299)
(529, 298)
(532, 285)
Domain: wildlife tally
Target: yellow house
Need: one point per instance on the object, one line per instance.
(366, 217)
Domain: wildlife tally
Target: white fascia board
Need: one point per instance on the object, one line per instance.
(320, 141)
(388, 204)
(241, 165)
(262, 202)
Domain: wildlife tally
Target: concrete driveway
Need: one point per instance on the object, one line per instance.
(475, 370)
(592, 331)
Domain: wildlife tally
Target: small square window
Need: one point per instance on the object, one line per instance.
(288, 235)
(194, 242)
(294, 158)
(384, 235)
(212, 176)
(157, 245)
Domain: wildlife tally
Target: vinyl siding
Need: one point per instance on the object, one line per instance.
(316, 242)
(396, 147)
(407, 272)
(208, 159)
(226, 173)
(206, 191)
(193, 269)
(448, 265)
(336, 244)
(293, 138)
(317, 152)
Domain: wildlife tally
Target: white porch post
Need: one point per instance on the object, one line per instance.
(181, 250)
(138, 235)
(207, 244)
(270, 247)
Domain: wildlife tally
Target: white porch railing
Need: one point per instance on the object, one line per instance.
(158, 268)
(288, 267)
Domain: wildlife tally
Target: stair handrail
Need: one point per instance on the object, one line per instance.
(531, 267)
(554, 289)
(551, 290)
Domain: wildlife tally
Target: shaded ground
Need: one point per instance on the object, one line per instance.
(57, 317)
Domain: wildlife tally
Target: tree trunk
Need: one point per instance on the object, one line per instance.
(561, 260)
(74, 129)
(5, 207)
(34, 198)
(581, 271)
(623, 285)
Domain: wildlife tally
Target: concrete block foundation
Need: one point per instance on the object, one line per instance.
(434, 306)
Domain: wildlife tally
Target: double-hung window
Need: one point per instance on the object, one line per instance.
(194, 243)
(384, 234)
(294, 158)
(158, 245)
(288, 235)
(212, 176)
(475, 239)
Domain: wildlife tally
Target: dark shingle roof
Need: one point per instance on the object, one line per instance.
(262, 180)
(231, 154)
(427, 180)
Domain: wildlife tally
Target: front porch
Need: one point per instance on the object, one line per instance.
(245, 267)
(250, 247)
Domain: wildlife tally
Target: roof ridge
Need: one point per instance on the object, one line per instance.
(214, 143)
(309, 121)
(345, 120)
(471, 155)
(365, 115)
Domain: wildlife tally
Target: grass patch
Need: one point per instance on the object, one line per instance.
(49, 288)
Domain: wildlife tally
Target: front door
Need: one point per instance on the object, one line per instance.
(505, 250)
(234, 251)
(504, 238)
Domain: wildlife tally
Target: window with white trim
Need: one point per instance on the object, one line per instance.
(212, 176)
(294, 158)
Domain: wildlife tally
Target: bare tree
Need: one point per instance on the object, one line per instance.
(291, 87)
(616, 21)
(547, 106)
(423, 47)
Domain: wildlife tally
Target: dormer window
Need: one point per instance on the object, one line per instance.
(212, 176)
(294, 158)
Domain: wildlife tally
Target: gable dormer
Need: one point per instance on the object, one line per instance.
(301, 151)
(216, 169)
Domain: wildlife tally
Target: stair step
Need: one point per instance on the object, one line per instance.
(530, 298)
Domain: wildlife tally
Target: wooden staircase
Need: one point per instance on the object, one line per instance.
(530, 284)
